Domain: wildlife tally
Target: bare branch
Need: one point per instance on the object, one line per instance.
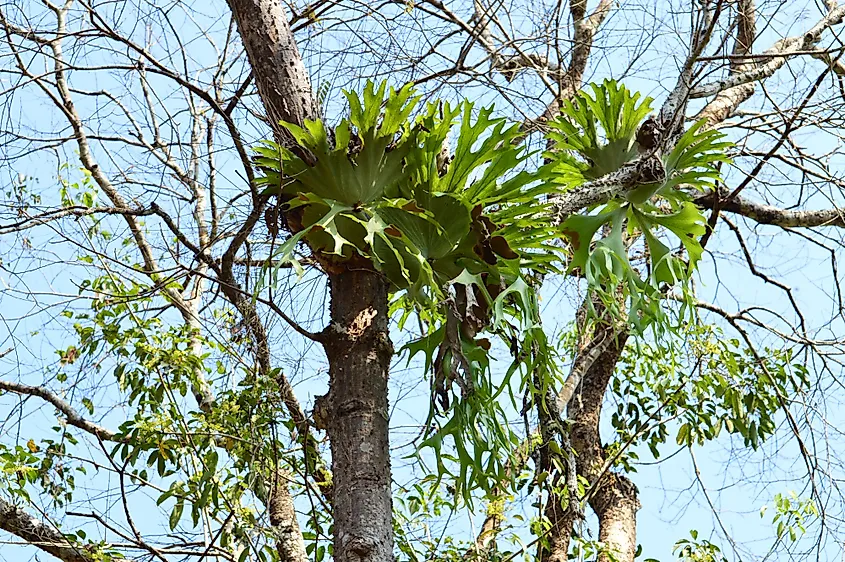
(71, 415)
(726, 101)
(39, 534)
(585, 28)
(790, 45)
(768, 214)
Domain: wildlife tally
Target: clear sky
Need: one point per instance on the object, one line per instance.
(739, 482)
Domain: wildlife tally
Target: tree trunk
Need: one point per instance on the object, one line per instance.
(614, 498)
(358, 347)
(46, 537)
(277, 67)
(616, 504)
(561, 519)
(280, 509)
(558, 511)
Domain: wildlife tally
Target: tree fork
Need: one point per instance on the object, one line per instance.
(359, 350)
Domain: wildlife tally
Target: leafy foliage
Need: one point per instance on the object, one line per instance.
(464, 241)
(707, 382)
(376, 191)
(596, 135)
(460, 243)
(697, 550)
(791, 515)
(201, 461)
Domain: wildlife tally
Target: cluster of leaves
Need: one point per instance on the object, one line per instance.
(696, 550)
(462, 239)
(200, 461)
(481, 442)
(460, 243)
(414, 509)
(82, 192)
(141, 344)
(20, 467)
(318, 534)
(95, 551)
(706, 381)
(596, 136)
(196, 462)
(791, 515)
(377, 190)
(24, 467)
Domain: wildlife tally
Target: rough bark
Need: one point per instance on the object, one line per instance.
(780, 53)
(561, 510)
(726, 101)
(561, 515)
(359, 351)
(357, 344)
(282, 514)
(40, 534)
(613, 497)
(616, 504)
(762, 213)
(277, 67)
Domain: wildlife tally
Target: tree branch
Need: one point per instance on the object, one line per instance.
(71, 415)
(726, 101)
(767, 214)
(39, 534)
(788, 46)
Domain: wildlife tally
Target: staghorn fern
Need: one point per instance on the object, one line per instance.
(596, 135)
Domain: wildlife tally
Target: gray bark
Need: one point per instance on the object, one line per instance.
(359, 351)
(277, 67)
(762, 213)
(72, 417)
(37, 533)
(779, 51)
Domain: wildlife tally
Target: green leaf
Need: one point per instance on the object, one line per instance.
(176, 514)
(598, 129)
(427, 345)
(434, 230)
(580, 230)
(688, 224)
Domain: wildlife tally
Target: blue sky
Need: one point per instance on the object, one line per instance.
(672, 503)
